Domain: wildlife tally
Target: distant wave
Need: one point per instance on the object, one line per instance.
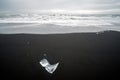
(61, 19)
(57, 23)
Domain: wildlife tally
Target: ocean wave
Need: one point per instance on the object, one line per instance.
(61, 19)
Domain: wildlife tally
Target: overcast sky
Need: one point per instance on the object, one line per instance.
(98, 5)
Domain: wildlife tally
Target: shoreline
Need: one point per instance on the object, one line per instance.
(62, 33)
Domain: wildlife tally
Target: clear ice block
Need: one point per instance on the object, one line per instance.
(48, 67)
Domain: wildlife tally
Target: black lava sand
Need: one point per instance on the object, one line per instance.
(82, 56)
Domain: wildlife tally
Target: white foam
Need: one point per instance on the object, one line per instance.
(63, 20)
(76, 23)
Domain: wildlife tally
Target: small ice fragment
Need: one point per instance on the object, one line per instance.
(45, 54)
(48, 67)
(51, 68)
(44, 63)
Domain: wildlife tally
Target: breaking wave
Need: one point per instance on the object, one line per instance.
(57, 23)
(61, 19)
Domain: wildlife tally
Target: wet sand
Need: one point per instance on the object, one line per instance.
(82, 56)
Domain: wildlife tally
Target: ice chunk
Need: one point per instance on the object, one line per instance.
(51, 68)
(48, 67)
(44, 62)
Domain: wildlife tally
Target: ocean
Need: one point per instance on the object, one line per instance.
(50, 23)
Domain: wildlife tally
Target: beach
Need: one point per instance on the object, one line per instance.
(83, 56)
(60, 39)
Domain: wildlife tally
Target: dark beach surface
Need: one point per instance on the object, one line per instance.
(82, 56)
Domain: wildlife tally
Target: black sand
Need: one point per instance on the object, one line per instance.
(82, 56)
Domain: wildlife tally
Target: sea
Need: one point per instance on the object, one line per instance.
(52, 23)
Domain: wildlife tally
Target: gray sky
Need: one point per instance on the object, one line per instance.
(97, 5)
